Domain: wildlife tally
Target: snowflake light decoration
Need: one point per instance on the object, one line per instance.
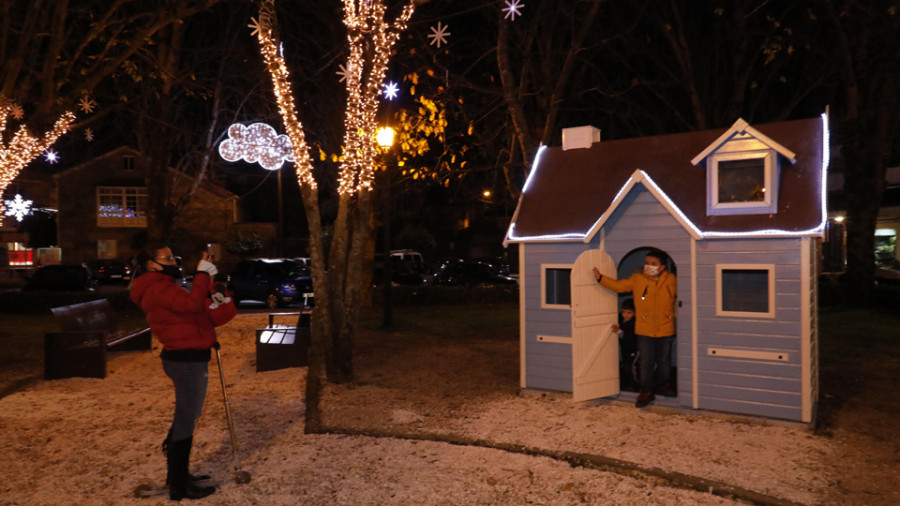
(51, 156)
(513, 8)
(390, 90)
(17, 112)
(257, 143)
(18, 207)
(88, 134)
(254, 25)
(343, 72)
(439, 35)
(87, 105)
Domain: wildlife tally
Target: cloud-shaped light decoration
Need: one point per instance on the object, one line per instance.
(257, 143)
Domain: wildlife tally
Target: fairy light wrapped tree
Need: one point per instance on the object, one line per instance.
(370, 38)
(22, 147)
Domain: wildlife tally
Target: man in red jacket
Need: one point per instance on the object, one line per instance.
(180, 321)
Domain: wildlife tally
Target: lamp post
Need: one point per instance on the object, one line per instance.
(385, 138)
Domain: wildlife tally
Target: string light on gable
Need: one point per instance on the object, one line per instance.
(22, 148)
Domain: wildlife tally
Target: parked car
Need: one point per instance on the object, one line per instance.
(402, 273)
(110, 271)
(273, 281)
(68, 277)
(470, 273)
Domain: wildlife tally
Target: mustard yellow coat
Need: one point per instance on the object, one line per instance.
(654, 301)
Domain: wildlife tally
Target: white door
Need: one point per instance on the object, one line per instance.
(595, 347)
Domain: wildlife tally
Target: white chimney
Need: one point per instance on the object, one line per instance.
(579, 137)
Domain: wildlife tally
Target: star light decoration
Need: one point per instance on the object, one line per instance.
(513, 8)
(51, 156)
(18, 207)
(390, 90)
(88, 135)
(87, 105)
(439, 35)
(258, 143)
(22, 148)
(343, 72)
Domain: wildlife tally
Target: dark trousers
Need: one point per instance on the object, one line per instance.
(654, 355)
(190, 380)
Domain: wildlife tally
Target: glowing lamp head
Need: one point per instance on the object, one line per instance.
(384, 136)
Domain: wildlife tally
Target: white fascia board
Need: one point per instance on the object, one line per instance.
(742, 127)
(639, 176)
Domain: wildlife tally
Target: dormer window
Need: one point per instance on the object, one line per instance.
(742, 171)
(742, 182)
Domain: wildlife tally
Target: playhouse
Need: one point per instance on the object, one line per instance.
(739, 211)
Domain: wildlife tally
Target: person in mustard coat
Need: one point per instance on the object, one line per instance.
(654, 292)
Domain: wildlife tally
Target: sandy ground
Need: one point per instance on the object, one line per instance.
(90, 441)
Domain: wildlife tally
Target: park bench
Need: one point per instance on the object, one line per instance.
(279, 346)
(88, 331)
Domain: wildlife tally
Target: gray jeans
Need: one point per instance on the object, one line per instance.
(190, 380)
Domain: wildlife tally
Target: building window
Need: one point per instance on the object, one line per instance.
(745, 290)
(556, 286)
(743, 183)
(121, 206)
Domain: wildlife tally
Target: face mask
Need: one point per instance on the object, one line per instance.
(170, 270)
(651, 270)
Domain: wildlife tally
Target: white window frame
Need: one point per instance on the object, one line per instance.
(769, 205)
(139, 220)
(544, 304)
(770, 268)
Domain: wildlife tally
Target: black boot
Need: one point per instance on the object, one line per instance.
(165, 450)
(180, 485)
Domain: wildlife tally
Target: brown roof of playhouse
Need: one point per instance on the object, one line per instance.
(569, 192)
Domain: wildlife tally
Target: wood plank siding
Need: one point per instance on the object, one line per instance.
(753, 386)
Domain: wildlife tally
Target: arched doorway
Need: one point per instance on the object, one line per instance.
(633, 262)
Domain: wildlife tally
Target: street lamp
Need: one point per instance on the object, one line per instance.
(384, 136)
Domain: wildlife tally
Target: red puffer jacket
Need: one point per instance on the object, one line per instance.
(177, 318)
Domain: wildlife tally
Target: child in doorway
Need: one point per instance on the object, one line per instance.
(628, 377)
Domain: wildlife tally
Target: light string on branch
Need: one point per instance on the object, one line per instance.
(23, 147)
(368, 34)
(284, 96)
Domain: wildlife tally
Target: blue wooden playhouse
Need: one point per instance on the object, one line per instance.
(740, 212)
